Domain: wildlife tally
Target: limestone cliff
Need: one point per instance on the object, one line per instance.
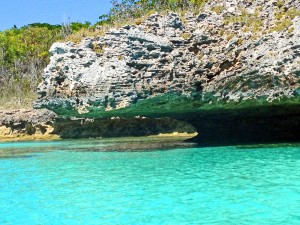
(232, 54)
(235, 54)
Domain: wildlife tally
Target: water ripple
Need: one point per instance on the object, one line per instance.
(225, 185)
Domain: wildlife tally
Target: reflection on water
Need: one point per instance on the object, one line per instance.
(30, 149)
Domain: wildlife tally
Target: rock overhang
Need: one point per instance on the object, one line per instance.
(178, 66)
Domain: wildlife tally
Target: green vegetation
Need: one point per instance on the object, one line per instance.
(218, 9)
(284, 18)
(251, 22)
(23, 56)
(132, 10)
(254, 24)
(185, 36)
(280, 3)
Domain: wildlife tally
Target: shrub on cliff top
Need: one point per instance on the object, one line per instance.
(132, 9)
(23, 56)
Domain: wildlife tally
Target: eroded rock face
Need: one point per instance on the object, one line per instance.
(119, 127)
(18, 123)
(216, 56)
(44, 124)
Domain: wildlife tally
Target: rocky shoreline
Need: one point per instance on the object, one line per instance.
(26, 124)
(255, 125)
(232, 72)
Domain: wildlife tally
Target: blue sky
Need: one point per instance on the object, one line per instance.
(23, 12)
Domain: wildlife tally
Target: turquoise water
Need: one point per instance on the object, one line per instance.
(74, 183)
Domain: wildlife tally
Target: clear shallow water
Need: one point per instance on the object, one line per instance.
(73, 183)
